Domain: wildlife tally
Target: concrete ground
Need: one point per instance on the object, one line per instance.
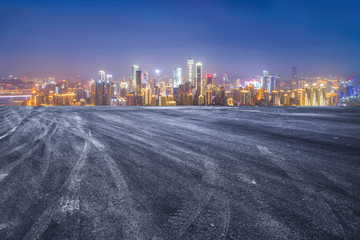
(179, 173)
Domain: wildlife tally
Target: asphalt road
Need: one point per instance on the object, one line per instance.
(179, 173)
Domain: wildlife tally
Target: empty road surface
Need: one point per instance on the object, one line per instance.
(179, 173)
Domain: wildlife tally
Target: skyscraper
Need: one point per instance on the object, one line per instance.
(138, 82)
(208, 97)
(177, 76)
(264, 79)
(271, 83)
(294, 78)
(190, 70)
(209, 80)
(135, 68)
(103, 90)
(277, 82)
(199, 87)
(109, 77)
(145, 78)
(101, 75)
(294, 74)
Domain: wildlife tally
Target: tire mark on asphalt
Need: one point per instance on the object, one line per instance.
(65, 201)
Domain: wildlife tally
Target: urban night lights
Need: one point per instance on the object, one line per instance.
(184, 88)
(179, 120)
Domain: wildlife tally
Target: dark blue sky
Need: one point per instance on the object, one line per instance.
(234, 37)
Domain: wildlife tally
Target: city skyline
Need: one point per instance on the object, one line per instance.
(236, 38)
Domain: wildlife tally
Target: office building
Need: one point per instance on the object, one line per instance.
(138, 82)
(208, 98)
(199, 85)
(177, 77)
(190, 64)
(135, 68)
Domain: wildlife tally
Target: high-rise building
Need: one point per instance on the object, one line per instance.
(101, 75)
(270, 83)
(275, 98)
(145, 78)
(294, 74)
(109, 77)
(238, 83)
(199, 87)
(190, 64)
(209, 80)
(294, 78)
(130, 100)
(138, 82)
(104, 90)
(245, 97)
(135, 68)
(145, 92)
(163, 100)
(190, 99)
(277, 82)
(264, 79)
(177, 76)
(208, 98)
(301, 83)
(201, 100)
(153, 100)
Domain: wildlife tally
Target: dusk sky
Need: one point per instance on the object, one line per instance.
(64, 38)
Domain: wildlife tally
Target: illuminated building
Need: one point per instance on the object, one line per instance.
(264, 79)
(130, 100)
(93, 92)
(172, 103)
(230, 102)
(190, 99)
(145, 92)
(301, 83)
(157, 76)
(238, 83)
(235, 94)
(270, 83)
(245, 97)
(277, 82)
(286, 100)
(39, 100)
(190, 64)
(64, 99)
(162, 88)
(163, 101)
(294, 77)
(145, 78)
(261, 94)
(102, 76)
(138, 100)
(322, 95)
(170, 98)
(153, 100)
(332, 99)
(138, 82)
(201, 100)
(109, 77)
(177, 76)
(209, 80)
(104, 91)
(225, 79)
(135, 68)
(275, 98)
(208, 98)
(199, 86)
(307, 95)
(300, 97)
